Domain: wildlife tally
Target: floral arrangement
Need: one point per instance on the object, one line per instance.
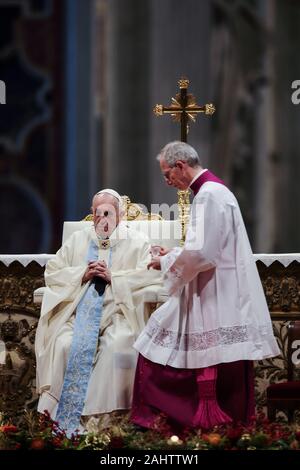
(39, 432)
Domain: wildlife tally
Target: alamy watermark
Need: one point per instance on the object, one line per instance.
(296, 353)
(170, 228)
(2, 352)
(2, 92)
(295, 97)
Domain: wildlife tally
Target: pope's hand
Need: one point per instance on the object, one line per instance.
(97, 269)
(155, 263)
(157, 250)
(103, 271)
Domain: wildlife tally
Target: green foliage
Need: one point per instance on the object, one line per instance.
(41, 433)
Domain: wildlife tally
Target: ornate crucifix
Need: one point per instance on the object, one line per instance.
(183, 109)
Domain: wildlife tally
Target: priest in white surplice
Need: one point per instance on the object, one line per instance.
(196, 351)
(91, 314)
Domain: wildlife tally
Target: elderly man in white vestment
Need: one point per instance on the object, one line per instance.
(196, 351)
(91, 314)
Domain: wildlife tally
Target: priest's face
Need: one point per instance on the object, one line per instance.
(175, 176)
(106, 214)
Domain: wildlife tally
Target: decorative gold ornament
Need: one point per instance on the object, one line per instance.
(104, 244)
(183, 83)
(209, 109)
(183, 109)
(184, 211)
(132, 211)
(158, 109)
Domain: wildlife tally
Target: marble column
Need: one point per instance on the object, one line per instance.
(128, 68)
(180, 40)
(287, 69)
(265, 168)
(151, 44)
(81, 165)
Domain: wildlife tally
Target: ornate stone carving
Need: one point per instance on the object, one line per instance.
(18, 322)
(282, 294)
(282, 289)
(19, 316)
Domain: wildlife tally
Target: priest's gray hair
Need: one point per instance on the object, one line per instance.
(177, 150)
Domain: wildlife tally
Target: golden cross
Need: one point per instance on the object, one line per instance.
(184, 108)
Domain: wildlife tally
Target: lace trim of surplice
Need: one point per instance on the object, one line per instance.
(198, 341)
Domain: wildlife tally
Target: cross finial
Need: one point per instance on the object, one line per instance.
(184, 108)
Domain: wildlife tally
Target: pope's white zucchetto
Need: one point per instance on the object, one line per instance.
(113, 193)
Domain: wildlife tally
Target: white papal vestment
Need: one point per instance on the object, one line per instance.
(123, 317)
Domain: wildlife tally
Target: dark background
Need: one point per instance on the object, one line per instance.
(82, 77)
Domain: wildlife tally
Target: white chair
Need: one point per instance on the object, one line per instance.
(166, 233)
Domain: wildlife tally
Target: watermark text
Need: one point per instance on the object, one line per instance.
(2, 92)
(295, 97)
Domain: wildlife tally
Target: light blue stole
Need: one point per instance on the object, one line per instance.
(82, 353)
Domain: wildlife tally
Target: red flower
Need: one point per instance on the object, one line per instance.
(297, 435)
(47, 414)
(117, 442)
(8, 428)
(234, 434)
(37, 444)
(56, 442)
(277, 434)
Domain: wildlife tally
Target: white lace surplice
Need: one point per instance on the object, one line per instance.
(217, 311)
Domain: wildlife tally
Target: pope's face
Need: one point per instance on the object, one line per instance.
(175, 176)
(106, 216)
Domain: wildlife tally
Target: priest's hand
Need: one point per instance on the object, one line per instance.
(155, 263)
(164, 251)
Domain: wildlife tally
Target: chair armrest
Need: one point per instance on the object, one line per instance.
(155, 297)
(38, 295)
(150, 297)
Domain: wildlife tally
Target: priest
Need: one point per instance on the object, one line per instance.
(92, 312)
(195, 364)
